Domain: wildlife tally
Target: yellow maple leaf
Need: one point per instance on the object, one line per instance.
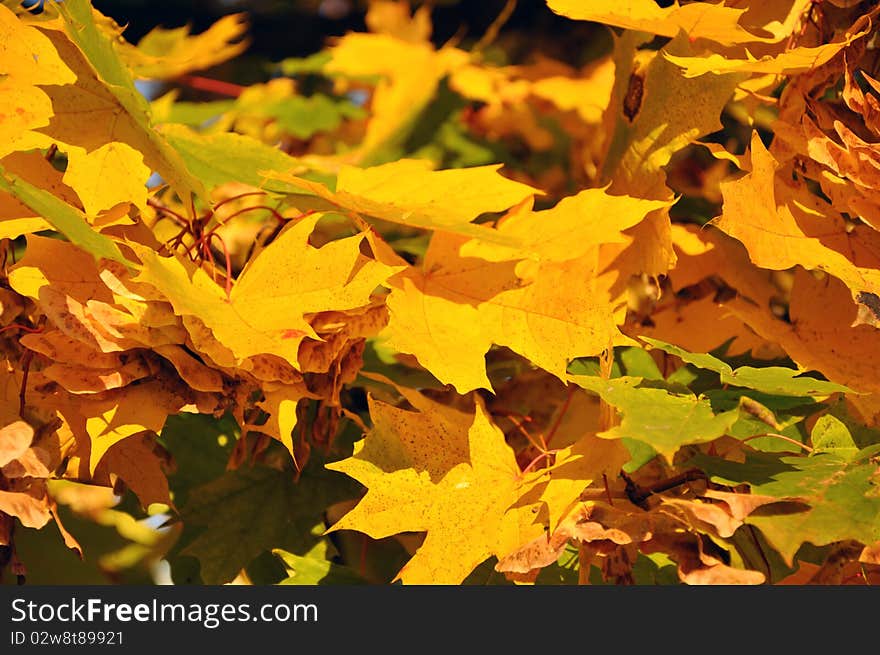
(582, 462)
(395, 18)
(264, 313)
(699, 20)
(449, 312)
(168, 53)
(663, 113)
(588, 95)
(27, 59)
(782, 225)
(280, 402)
(670, 112)
(790, 62)
(820, 334)
(111, 174)
(88, 113)
(100, 423)
(455, 480)
(409, 74)
(569, 230)
(410, 192)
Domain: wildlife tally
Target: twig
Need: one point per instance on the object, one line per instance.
(639, 494)
(561, 415)
(214, 86)
(492, 31)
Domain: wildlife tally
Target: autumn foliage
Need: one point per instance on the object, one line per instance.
(421, 312)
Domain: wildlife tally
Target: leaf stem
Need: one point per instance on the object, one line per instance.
(780, 436)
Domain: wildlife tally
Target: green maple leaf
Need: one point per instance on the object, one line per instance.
(828, 498)
(231, 520)
(68, 220)
(658, 418)
(771, 379)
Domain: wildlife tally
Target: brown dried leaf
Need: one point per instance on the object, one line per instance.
(15, 439)
(30, 506)
(137, 461)
(69, 540)
(191, 371)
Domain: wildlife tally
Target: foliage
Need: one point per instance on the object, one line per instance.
(442, 313)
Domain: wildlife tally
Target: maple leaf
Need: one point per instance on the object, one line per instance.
(850, 178)
(662, 113)
(264, 313)
(657, 126)
(670, 527)
(66, 281)
(191, 370)
(410, 73)
(109, 175)
(27, 60)
(134, 461)
(280, 402)
(99, 423)
(103, 105)
(663, 420)
(223, 530)
(589, 523)
(395, 18)
(409, 192)
(697, 318)
(105, 407)
(16, 218)
(782, 225)
(419, 479)
(580, 458)
(66, 219)
(113, 335)
(168, 53)
(561, 233)
(821, 335)
(30, 505)
(432, 309)
(831, 435)
(841, 496)
(311, 570)
(588, 95)
(227, 157)
(200, 446)
(580, 464)
(791, 62)
(703, 325)
(777, 380)
(699, 20)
